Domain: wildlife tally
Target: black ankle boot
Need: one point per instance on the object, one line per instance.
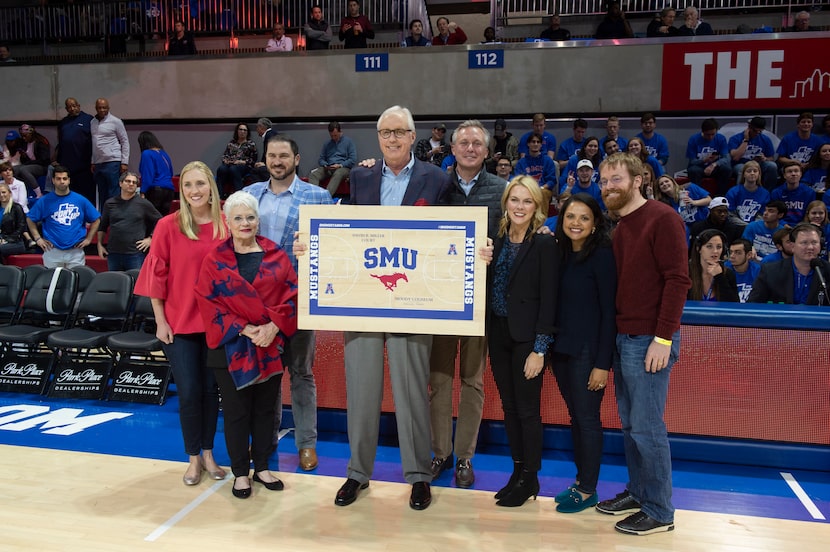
(514, 478)
(526, 486)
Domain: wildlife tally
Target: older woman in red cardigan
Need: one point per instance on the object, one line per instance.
(247, 292)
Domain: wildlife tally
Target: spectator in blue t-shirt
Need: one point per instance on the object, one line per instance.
(583, 182)
(538, 165)
(793, 193)
(818, 169)
(572, 146)
(656, 144)
(817, 214)
(690, 201)
(800, 144)
(548, 140)
(760, 232)
(612, 129)
(745, 269)
(753, 145)
(747, 200)
(708, 156)
(64, 216)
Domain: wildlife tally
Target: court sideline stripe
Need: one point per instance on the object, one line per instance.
(802, 496)
(178, 516)
(161, 529)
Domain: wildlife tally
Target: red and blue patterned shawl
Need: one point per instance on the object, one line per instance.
(228, 303)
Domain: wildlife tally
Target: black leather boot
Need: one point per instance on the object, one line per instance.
(526, 486)
(514, 478)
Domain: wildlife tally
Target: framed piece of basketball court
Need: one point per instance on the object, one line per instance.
(392, 269)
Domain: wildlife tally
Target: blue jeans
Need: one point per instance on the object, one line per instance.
(641, 400)
(721, 174)
(298, 359)
(106, 179)
(124, 261)
(231, 174)
(197, 391)
(572, 374)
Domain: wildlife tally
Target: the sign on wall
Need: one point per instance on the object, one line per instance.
(746, 75)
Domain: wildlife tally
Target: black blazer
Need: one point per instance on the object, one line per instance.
(428, 185)
(775, 283)
(587, 310)
(532, 287)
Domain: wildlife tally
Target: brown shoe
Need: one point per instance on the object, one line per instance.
(308, 459)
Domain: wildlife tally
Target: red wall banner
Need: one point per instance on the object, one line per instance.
(747, 75)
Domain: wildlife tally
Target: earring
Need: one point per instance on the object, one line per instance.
(594, 229)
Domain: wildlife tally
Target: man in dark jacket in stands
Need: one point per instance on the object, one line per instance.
(181, 43)
(317, 31)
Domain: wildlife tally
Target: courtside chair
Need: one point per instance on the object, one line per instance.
(12, 286)
(47, 308)
(81, 360)
(142, 371)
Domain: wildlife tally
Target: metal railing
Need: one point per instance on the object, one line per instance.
(518, 9)
(93, 20)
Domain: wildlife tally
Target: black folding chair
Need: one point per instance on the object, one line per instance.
(12, 286)
(81, 361)
(142, 371)
(47, 308)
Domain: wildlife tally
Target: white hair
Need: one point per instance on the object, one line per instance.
(401, 111)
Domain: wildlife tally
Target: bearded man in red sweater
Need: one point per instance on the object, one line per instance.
(649, 246)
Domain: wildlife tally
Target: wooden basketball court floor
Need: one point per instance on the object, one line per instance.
(96, 476)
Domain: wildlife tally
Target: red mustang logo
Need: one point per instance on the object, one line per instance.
(390, 281)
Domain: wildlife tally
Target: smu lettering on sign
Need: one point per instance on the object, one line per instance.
(747, 74)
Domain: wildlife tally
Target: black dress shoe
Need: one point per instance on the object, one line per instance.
(273, 486)
(241, 493)
(420, 497)
(464, 475)
(348, 492)
(439, 465)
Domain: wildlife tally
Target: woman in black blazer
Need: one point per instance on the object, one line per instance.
(524, 280)
(584, 345)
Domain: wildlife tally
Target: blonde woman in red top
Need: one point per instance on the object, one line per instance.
(180, 241)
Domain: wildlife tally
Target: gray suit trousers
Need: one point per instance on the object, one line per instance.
(408, 356)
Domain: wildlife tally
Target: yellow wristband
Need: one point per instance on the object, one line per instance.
(662, 341)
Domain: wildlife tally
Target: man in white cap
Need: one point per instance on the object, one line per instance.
(584, 183)
(719, 220)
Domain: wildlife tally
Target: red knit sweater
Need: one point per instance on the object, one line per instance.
(652, 271)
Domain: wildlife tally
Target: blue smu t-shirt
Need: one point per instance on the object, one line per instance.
(796, 201)
(64, 218)
(747, 205)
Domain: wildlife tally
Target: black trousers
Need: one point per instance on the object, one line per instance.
(520, 397)
(249, 420)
